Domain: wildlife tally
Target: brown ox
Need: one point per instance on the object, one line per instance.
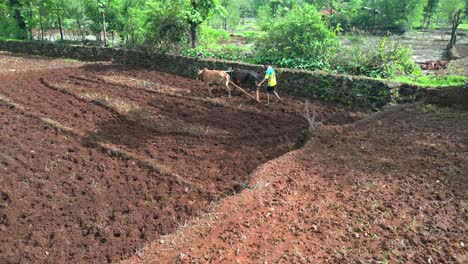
(215, 77)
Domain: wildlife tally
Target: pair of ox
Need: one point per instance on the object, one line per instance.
(238, 76)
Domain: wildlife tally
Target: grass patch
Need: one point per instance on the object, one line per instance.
(11, 39)
(250, 35)
(248, 25)
(463, 26)
(224, 52)
(433, 81)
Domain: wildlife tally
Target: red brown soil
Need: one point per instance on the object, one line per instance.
(389, 189)
(97, 161)
(100, 163)
(10, 63)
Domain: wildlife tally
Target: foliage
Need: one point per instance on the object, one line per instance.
(9, 27)
(226, 52)
(210, 37)
(463, 26)
(236, 11)
(164, 25)
(449, 7)
(372, 59)
(290, 33)
(250, 36)
(429, 12)
(433, 81)
(300, 39)
(399, 15)
(197, 11)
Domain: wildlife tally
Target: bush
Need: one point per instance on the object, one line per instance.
(164, 29)
(9, 28)
(211, 48)
(300, 39)
(339, 20)
(381, 60)
(210, 37)
(225, 52)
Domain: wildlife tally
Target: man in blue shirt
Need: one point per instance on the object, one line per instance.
(270, 76)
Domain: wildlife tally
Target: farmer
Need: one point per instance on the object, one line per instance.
(270, 76)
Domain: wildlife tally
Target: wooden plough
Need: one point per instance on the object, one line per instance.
(245, 92)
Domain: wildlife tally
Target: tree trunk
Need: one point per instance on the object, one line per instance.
(193, 34)
(104, 28)
(41, 24)
(59, 22)
(16, 5)
(31, 37)
(455, 23)
(80, 27)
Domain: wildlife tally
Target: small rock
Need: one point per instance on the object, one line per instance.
(356, 235)
(462, 244)
(161, 241)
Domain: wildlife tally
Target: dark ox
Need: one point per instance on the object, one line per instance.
(247, 77)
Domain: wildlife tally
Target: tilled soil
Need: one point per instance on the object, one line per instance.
(97, 160)
(392, 188)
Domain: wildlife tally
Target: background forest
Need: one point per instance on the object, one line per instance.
(307, 34)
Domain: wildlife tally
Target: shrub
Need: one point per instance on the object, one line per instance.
(165, 29)
(225, 52)
(300, 39)
(381, 60)
(210, 37)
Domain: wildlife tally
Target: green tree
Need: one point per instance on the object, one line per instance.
(76, 12)
(236, 10)
(197, 11)
(429, 11)
(15, 7)
(133, 15)
(466, 8)
(393, 14)
(448, 8)
(165, 25)
(8, 24)
(59, 9)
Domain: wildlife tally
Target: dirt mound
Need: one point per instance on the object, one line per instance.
(434, 65)
(391, 188)
(98, 160)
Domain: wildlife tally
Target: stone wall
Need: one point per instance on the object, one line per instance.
(456, 96)
(348, 90)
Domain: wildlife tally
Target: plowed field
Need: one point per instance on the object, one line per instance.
(98, 160)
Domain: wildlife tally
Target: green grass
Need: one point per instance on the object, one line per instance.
(248, 26)
(432, 81)
(11, 39)
(463, 26)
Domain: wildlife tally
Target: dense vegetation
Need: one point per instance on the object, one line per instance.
(306, 34)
